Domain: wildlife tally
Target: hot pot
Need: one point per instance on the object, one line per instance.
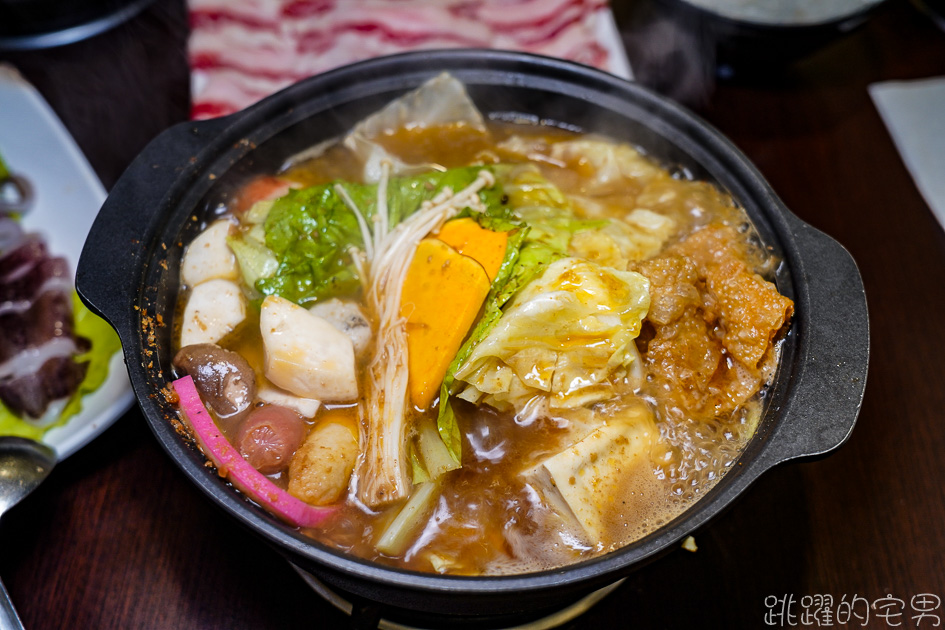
(129, 273)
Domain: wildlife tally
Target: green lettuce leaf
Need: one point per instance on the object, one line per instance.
(255, 260)
(310, 231)
(105, 343)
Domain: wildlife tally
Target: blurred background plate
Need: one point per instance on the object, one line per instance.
(675, 42)
(35, 144)
(32, 24)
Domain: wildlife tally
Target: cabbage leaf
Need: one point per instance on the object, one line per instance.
(563, 337)
(611, 164)
(608, 165)
(641, 234)
(542, 224)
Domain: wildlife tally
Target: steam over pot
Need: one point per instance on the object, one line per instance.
(756, 39)
(129, 272)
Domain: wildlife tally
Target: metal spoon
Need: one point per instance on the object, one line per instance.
(23, 466)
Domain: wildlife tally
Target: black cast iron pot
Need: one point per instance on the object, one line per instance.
(129, 273)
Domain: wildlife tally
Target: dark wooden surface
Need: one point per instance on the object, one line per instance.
(118, 538)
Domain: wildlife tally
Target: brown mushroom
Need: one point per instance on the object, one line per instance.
(226, 382)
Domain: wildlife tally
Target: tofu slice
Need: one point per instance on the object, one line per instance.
(213, 310)
(208, 257)
(306, 355)
(307, 407)
(593, 474)
(349, 319)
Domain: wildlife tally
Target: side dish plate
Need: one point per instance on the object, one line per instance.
(35, 144)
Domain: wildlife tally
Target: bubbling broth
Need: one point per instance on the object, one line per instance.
(480, 348)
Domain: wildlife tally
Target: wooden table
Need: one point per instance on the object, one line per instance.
(118, 538)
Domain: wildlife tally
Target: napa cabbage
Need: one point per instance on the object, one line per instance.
(563, 337)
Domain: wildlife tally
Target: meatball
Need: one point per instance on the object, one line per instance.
(269, 436)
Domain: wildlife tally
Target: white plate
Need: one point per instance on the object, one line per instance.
(35, 144)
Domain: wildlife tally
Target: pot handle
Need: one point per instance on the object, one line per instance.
(830, 377)
(126, 222)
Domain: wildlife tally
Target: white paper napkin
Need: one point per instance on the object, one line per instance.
(914, 113)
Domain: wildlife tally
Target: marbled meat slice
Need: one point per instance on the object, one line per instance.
(243, 50)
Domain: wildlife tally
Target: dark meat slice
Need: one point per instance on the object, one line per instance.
(30, 394)
(47, 274)
(50, 317)
(37, 341)
(10, 234)
(21, 258)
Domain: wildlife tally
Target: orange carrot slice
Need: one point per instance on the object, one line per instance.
(440, 299)
(470, 239)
